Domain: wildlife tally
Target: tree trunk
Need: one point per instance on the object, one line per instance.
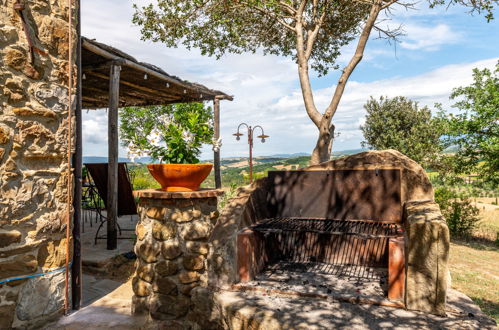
(322, 150)
(324, 145)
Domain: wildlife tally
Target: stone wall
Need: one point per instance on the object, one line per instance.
(33, 149)
(171, 279)
(240, 212)
(427, 254)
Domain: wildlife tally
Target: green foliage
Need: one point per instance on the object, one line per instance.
(229, 194)
(482, 6)
(398, 123)
(171, 134)
(461, 216)
(299, 162)
(141, 178)
(475, 129)
(218, 27)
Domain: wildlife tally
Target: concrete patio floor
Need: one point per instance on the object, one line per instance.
(96, 256)
(106, 302)
(111, 311)
(249, 310)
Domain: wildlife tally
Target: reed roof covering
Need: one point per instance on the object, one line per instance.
(141, 84)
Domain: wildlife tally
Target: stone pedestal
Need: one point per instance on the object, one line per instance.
(427, 253)
(172, 245)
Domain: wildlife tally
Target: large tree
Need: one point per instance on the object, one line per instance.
(475, 128)
(399, 123)
(310, 31)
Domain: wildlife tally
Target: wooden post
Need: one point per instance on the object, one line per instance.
(112, 173)
(76, 273)
(250, 143)
(216, 155)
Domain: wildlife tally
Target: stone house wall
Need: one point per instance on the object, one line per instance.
(33, 165)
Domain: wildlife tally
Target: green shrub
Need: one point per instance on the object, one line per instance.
(460, 214)
(229, 194)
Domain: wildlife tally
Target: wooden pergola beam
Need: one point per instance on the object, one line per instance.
(137, 66)
(123, 94)
(141, 88)
(92, 99)
(112, 173)
(216, 150)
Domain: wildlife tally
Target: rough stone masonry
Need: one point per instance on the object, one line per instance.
(170, 282)
(33, 149)
(426, 232)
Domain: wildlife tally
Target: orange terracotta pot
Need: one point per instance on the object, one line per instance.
(180, 177)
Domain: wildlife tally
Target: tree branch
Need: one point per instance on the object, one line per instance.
(388, 4)
(313, 36)
(288, 8)
(389, 34)
(357, 57)
(303, 74)
(278, 18)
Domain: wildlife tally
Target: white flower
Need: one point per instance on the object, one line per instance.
(133, 152)
(188, 136)
(155, 137)
(166, 119)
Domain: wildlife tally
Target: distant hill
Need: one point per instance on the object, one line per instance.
(348, 152)
(231, 161)
(100, 159)
(297, 154)
(97, 159)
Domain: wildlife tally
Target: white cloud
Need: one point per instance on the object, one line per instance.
(428, 38)
(416, 36)
(428, 88)
(94, 127)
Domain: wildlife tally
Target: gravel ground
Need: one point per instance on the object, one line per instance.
(338, 281)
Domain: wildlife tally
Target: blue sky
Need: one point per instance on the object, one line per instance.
(437, 53)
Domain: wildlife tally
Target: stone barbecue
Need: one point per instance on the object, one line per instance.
(362, 229)
(349, 227)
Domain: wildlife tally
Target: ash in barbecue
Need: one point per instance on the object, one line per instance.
(313, 279)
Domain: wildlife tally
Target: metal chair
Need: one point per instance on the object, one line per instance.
(126, 201)
(91, 203)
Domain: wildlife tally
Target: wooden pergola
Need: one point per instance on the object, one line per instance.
(112, 79)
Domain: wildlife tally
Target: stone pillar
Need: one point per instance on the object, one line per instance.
(427, 253)
(172, 244)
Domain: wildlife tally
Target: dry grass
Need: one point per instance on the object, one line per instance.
(474, 264)
(474, 270)
(488, 227)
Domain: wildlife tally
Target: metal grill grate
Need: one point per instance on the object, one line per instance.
(361, 228)
(340, 247)
(357, 272)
